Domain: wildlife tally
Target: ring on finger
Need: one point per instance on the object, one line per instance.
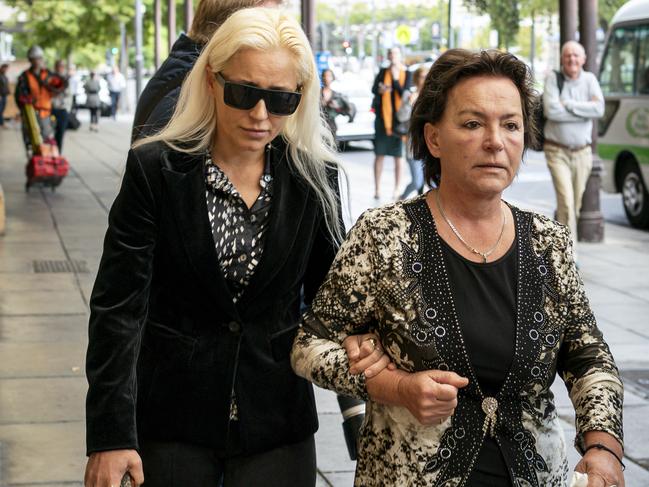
(372, 340)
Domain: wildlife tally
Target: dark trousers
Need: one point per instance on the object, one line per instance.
(182, 465)
(93, 116)
(61, 116)
(114, 100)
(3, 104)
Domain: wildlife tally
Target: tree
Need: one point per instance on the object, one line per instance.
(61, 28)
(504, 15)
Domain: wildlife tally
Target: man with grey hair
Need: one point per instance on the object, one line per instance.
(570, 110)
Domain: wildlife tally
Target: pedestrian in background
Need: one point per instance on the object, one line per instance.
(568, 131)
(160, 95)
(334, 103)
(403, 115)
(74, 82)
(389, 86)
(35, 87)
(61, 104)
(116, 84)
(479, 304)
(4, 92)
(224, 220)
(92, 87)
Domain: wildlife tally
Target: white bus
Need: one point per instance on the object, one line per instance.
(623, 143)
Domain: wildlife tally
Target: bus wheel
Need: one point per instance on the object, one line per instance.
(635, 196)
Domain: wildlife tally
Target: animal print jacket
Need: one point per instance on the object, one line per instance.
(389, 277)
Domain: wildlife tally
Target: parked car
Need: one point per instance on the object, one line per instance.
(104, 95)
(359, 92)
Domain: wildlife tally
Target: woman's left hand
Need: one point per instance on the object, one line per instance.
(366, 355)
(602, 468)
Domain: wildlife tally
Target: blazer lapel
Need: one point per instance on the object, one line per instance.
(188, 200)
(289, 205)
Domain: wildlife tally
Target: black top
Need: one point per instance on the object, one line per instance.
(485, 301)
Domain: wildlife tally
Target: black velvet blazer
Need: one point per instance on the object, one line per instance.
(168, 347)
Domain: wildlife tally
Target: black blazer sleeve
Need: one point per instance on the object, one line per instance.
(118, 308)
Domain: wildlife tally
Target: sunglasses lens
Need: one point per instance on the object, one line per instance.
(283, 103)
(240, 96)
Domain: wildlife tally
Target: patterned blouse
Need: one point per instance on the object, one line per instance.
(389, 276)
(238, 231)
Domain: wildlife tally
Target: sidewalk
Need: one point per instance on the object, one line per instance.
(43, 314)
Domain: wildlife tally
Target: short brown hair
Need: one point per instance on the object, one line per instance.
(210, 14)
(449, 69)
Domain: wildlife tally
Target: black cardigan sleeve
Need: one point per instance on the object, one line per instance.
(118, 309)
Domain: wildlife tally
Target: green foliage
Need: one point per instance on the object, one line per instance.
(504, 15)
(524, 42)
(63, 27)
(86, 29)
(606, 9)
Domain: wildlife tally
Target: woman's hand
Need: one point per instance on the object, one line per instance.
(431, 395)
(366, 355)
(601, 466)
(106, 468)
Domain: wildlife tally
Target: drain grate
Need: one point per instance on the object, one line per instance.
(49, 266)
(638, 379)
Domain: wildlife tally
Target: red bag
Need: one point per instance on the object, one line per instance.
(49, 170)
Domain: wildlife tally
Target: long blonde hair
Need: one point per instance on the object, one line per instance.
(310, 142)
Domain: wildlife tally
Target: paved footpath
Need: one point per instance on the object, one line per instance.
(43, 314)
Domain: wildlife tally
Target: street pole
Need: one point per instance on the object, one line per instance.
(124, 101)
(138, 49)
(590, 226)
(189, 15)
(157, 24)
(171, 22)
(532, 43)
(567, 21)
(449, 43)
(308, 20)
(375, 35)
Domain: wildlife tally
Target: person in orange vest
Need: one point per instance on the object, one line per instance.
(37, 85)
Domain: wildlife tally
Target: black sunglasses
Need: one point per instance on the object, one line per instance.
(245, 97)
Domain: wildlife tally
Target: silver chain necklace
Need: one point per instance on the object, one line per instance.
(484, 255)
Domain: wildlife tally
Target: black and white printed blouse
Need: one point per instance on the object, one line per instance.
(238, 231)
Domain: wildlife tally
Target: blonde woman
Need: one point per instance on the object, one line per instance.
(223, 219)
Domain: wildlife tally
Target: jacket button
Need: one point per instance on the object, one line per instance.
(234, 327)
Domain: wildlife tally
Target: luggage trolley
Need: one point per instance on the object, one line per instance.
(45, 165)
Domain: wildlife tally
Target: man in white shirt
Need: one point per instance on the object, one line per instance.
(568, 128)
(116, 83)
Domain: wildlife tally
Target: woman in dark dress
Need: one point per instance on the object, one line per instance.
(389, 86)
(478, 303)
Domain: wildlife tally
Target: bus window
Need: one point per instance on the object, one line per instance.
(643, 60)
(618, 66)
